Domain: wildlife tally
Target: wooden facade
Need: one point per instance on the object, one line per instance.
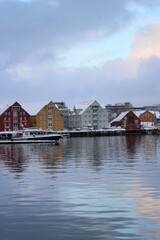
(129, 121)
(147, 116)
(14, 118)
(49, 117)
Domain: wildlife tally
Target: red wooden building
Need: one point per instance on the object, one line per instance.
(14, 117)
(127, 120)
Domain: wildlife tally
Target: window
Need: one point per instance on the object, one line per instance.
(20, 113)
(5, 119)
(40, 123)
(40, 117)
(25, 118)
(24, 113)
(136, 121)
(20, 118)
(55, 123)
(15, 114)
(55, 118)
(42, 112)
(49, 113)
(50, 119)
(5, 113)
(50, 124)
(44, 118)
(44, 123)
(50, 108)
(15, 108)
(9, 119)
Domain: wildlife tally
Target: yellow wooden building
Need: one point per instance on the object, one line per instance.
(147, 116)
(48, 118)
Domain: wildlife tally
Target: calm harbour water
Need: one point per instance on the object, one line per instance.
(84, 188)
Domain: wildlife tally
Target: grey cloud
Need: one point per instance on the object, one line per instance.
(83, 85)
(27, 27)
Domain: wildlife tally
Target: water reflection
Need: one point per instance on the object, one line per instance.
(85, 188)
(14, 157)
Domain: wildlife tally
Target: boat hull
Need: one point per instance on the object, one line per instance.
(27, 141)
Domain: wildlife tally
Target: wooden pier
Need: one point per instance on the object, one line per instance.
(108, 132)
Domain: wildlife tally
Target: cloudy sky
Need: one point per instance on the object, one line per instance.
(80, 50)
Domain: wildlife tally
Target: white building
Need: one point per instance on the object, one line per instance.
(88, 115)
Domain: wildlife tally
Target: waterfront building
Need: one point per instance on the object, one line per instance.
(13, 117)
(65, 111)
(88, 115)
(148, 118)
(127, 120)
(115, 109)
(46, 116)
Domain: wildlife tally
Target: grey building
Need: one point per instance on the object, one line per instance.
(88, 115)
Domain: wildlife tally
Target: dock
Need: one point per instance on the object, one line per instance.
(108, 132)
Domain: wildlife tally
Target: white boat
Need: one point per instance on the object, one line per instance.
(29, 136)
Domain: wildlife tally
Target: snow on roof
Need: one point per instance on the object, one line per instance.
(4, 106)
(138, 113)
(84, 105)
(157, 113)
(35, 107)
(119, 118)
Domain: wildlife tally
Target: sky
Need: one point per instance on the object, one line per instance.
(80, 50)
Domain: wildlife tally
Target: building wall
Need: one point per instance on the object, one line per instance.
(130, 122)
(147, 117)
(33, 121)
(94, 117)
(14, 118)
(50, 117)
(65, 111)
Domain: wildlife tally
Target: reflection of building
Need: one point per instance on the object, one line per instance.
(65, 111)
(46, 116)
(19, 156)
(13, 117)
(14, 156)
(128, 121)
(88, 115)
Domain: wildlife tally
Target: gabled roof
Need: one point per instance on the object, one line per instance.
(84, 105)
(4, 106)
(156, 113)
(35, 107)
(138, 113)
(119, 118)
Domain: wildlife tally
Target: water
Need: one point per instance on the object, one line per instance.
(85, 188)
